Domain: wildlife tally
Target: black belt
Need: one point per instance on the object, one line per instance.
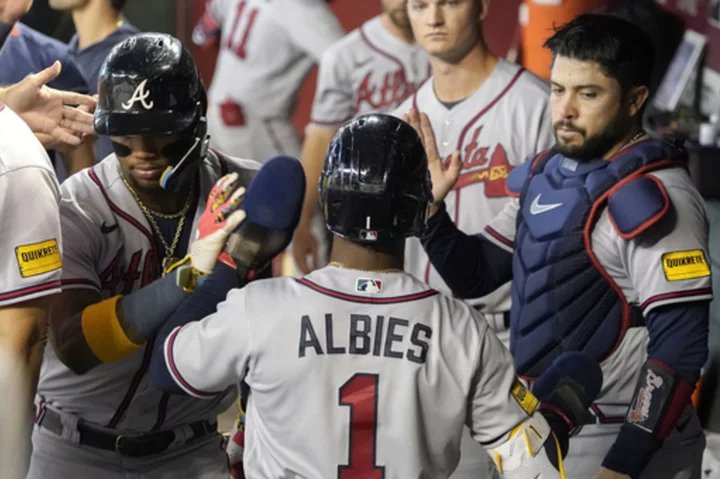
(132, 444)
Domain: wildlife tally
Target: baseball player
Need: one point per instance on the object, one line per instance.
(372, 69)
(99, 26)
(606, 244)
(492, 114)
(266, 50)
(31, 252)
(130, 262)
(28, 51)
(375, 371)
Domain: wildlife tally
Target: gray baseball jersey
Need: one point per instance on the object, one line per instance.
(369, 70)
(111, 250)
(670, 269)
(30, 242)
(503, 123)
(376, 372)
(267, 47)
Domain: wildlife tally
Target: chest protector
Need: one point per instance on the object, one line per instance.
(562, 298)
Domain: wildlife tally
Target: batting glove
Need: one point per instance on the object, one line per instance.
(221, 217)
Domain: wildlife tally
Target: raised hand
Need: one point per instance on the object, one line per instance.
(51, 114)
(443, 176)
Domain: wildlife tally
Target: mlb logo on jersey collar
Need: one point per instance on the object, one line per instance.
(368, 285)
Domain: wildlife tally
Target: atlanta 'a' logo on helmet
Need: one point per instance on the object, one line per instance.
(139, 95)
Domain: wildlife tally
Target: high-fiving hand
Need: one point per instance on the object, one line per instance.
(12, 10)
(51, 114)
(443, 176)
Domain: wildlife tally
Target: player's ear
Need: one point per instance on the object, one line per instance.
(637, 97)
(483, 8)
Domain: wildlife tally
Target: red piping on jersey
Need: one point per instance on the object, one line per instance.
(123, 214)
(223, 162)
(382, 52)
(135, 383)
(174, 371)
(80, 281)
(587, 233)
(462, 139)
(29, 290)
(603, 419)
(273, 138)
(676, 294)
(362, 299)
(499, 237)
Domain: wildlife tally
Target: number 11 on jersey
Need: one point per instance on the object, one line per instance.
(239, 47)
(360, 394)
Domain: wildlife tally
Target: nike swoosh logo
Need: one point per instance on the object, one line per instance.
(105, 229)
(536, 208)
(362, 63)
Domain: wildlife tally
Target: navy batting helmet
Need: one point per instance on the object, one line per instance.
(375, 184)
(149, 85)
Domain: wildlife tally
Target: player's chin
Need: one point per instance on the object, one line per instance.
(148, 178)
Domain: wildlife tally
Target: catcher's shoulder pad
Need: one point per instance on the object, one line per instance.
(637, 205)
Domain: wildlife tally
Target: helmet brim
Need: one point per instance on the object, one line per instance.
(146, 124)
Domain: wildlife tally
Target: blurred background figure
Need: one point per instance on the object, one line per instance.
(266, 50)
(99, 26)
(28, 51)
(372, 69)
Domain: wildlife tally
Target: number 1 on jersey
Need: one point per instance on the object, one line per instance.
(239, 48)
(359, 393)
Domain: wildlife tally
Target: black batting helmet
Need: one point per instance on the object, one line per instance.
(375, 184)
(149, 85)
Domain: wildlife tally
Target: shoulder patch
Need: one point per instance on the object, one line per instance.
(38, 258)
(527, 400)
(681, 265)
(637, 205)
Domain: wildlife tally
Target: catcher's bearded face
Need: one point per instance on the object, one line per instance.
(141, 159)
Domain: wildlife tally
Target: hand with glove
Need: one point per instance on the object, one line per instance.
(221, 217)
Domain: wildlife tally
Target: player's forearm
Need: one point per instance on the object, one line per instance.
(315, 147)
(677, 352)
(470, 265)
(107, 331)
(23, 334)
(201, 304)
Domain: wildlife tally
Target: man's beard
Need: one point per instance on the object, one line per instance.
(595, 146)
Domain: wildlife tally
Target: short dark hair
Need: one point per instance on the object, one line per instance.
(621, 48)
(118, 5)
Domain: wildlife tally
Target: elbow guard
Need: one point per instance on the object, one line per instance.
(659, 399)
(103, 332)
(524, 452)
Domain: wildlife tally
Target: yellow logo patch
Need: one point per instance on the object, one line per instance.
(38, 258)
(524, 397)
(682, 265)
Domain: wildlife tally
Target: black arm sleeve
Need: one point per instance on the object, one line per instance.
(471, 265)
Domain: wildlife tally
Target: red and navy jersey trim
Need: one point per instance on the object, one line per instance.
(176, 373)
(38, 288)
(489, 230)
(675, 295)
(365, 300)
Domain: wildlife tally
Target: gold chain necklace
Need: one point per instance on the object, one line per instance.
(336, 264)
(169, 258)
